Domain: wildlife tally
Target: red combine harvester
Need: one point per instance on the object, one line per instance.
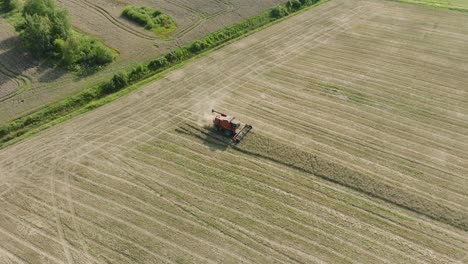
(229, 125)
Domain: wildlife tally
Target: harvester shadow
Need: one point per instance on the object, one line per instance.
(207, 135)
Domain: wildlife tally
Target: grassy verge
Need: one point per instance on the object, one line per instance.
(127, 81)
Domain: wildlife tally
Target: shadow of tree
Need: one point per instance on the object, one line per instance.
(15, 62)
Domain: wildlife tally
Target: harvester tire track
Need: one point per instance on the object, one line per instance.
(115, 21)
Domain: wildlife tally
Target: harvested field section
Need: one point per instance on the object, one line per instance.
(358, 153)
(102, 19)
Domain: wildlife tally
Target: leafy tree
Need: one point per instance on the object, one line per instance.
(137, 73)
(9, 5)
(43, 25)
(36, 34)
(98, 54)
(61, 26)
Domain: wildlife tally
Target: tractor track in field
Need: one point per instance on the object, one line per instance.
(53, 193)
(158, 168)
(243, 158)
(39, 231)
(114, 20)
(22, 82)
(37, 200)
(11, 235)
(304, 225)
(132, 197)
(129, 195)
(198, 197)
(8, 256)
(201, 19)
(150, 36)
(152, 157)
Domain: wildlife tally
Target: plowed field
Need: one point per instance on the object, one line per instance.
(358, 153)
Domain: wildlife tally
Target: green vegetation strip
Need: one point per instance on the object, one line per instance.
(127, 81)
(260, 146)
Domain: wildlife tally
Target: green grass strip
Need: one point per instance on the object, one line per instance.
(124, 82)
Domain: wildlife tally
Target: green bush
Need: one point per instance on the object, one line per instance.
(177, 55)
(158, 64)
(279, 12)
(80, 51)
(198, 46)
(138, 73)
(150, 19)
(294, 5)
(118, 81)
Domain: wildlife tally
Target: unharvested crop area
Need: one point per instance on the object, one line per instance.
(358, 153)
(102, 19)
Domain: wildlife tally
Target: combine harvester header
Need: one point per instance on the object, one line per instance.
(229, 125)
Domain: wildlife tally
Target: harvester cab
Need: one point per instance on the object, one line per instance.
(229, 125)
